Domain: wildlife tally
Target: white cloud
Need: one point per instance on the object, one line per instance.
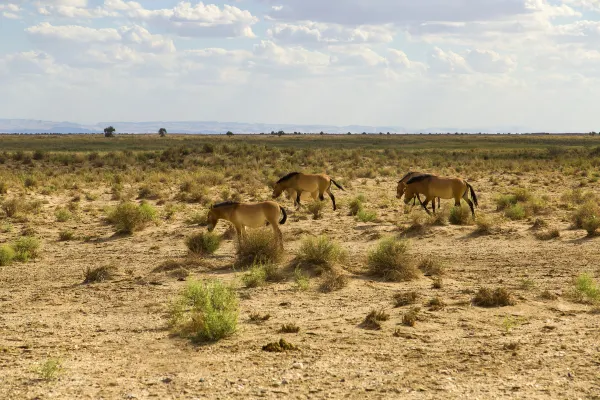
(189, 20)
(488, 61)
(313, 33)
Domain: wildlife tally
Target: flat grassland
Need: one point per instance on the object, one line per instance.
(534, 241)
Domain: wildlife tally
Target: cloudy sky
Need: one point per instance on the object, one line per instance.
(425, 63)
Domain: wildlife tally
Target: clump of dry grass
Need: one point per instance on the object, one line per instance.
(460, 215)
(587, 217)
(280, 346)
(66, 235)
(258, 248)
(585, 290)
(316, 208)
(436, 304)
(548, 234)
(405, 298)
(498, 297)
(203, 243)
(485, 224)
(319, 254)
(430, 266)
(289, 328)
(390, 260)
(99, 274)
(372, 320)
(409, 318)
(258, 318)
(333, 280)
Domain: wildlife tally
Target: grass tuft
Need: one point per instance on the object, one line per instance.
(498, 297)
(258, 248)
(319, 254)
(390, 261)
(203, 243)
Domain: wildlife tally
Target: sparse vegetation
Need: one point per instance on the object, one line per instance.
(99, 274)
(390, 261)
(203, 243)
(409, 318)
(289, 328)
(205, 311)
(50, 369)
(128, 217)
(498, 297)
(7, 255)
(586, 289)
(319, 254)
(405, 298)
(333, 280)
(587, 217)
(374, 318)
(258, 248)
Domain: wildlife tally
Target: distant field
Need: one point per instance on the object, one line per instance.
(502, 305)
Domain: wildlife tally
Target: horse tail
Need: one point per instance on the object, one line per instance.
(336, 184)
(473, 194)
(284, 216)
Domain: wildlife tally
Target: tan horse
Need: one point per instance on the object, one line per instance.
(402, 186)
(433, 186)
(253, 215)
(315, 184)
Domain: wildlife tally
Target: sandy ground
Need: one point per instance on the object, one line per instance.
(113, 340)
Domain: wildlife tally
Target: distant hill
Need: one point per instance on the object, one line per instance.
(30, 126)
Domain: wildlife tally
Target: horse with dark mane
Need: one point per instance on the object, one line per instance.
(432, 186)
(298, 182)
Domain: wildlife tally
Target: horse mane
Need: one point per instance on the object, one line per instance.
(288, 176)
(407, 175)
(418, 178)
(225, 204)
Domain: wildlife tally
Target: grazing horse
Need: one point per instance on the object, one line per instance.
(253, 215)
(433, 186)
(315, 184)
(402, 186)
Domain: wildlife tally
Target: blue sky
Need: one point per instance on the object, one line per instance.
(431, 63)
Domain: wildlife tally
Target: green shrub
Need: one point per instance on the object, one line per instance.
(586, 289)
(389, 260)
(128, 217)
(205, 311)
(63, 215)
(7, 255)
(319, 253)
(301, 279)
(203, 243)
(505, 201)
(316, 208)
(522, 194)
(515, 212)
(26, 248)
(333, 280)
(356, 204)
(364, 215)
(3, 188)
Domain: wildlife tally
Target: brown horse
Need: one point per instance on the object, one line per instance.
(315, 184)
(433, 186)
(402, 186)
(253, 215)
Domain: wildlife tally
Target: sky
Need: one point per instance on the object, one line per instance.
(415, 64)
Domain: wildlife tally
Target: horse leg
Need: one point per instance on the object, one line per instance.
(438, 202)
(424, 204)
(298, 200)
(278, 235)
(470, 203)
(332, 198)
(433, 205)
(239, 234)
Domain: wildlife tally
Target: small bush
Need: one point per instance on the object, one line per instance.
(356, 205)
(11, 207)
(128, 217)
(366, 215)
(410, 317)
(289, 328)
(460, 215)
(205, 311)
(372, 320)
(405, 299)
(587, 217)
(333, 280)
(484, 225)
(522, 194)
(319, 253)
(203, 243)
(515, 212)
(431, 266)
(440, 218)
(301, 279)
(316, 208)
(499, 297)
(63, 215)
(3, 188)
(389, 260)
(280, 346)
(548, 234)
(50, 369)
(198, 218)
(26, 248)
(66, 235)
(98, 274)
(505, 201)
(7, 255)
(436, 304)
(258, 247)
(586, 289)
(259, 274)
